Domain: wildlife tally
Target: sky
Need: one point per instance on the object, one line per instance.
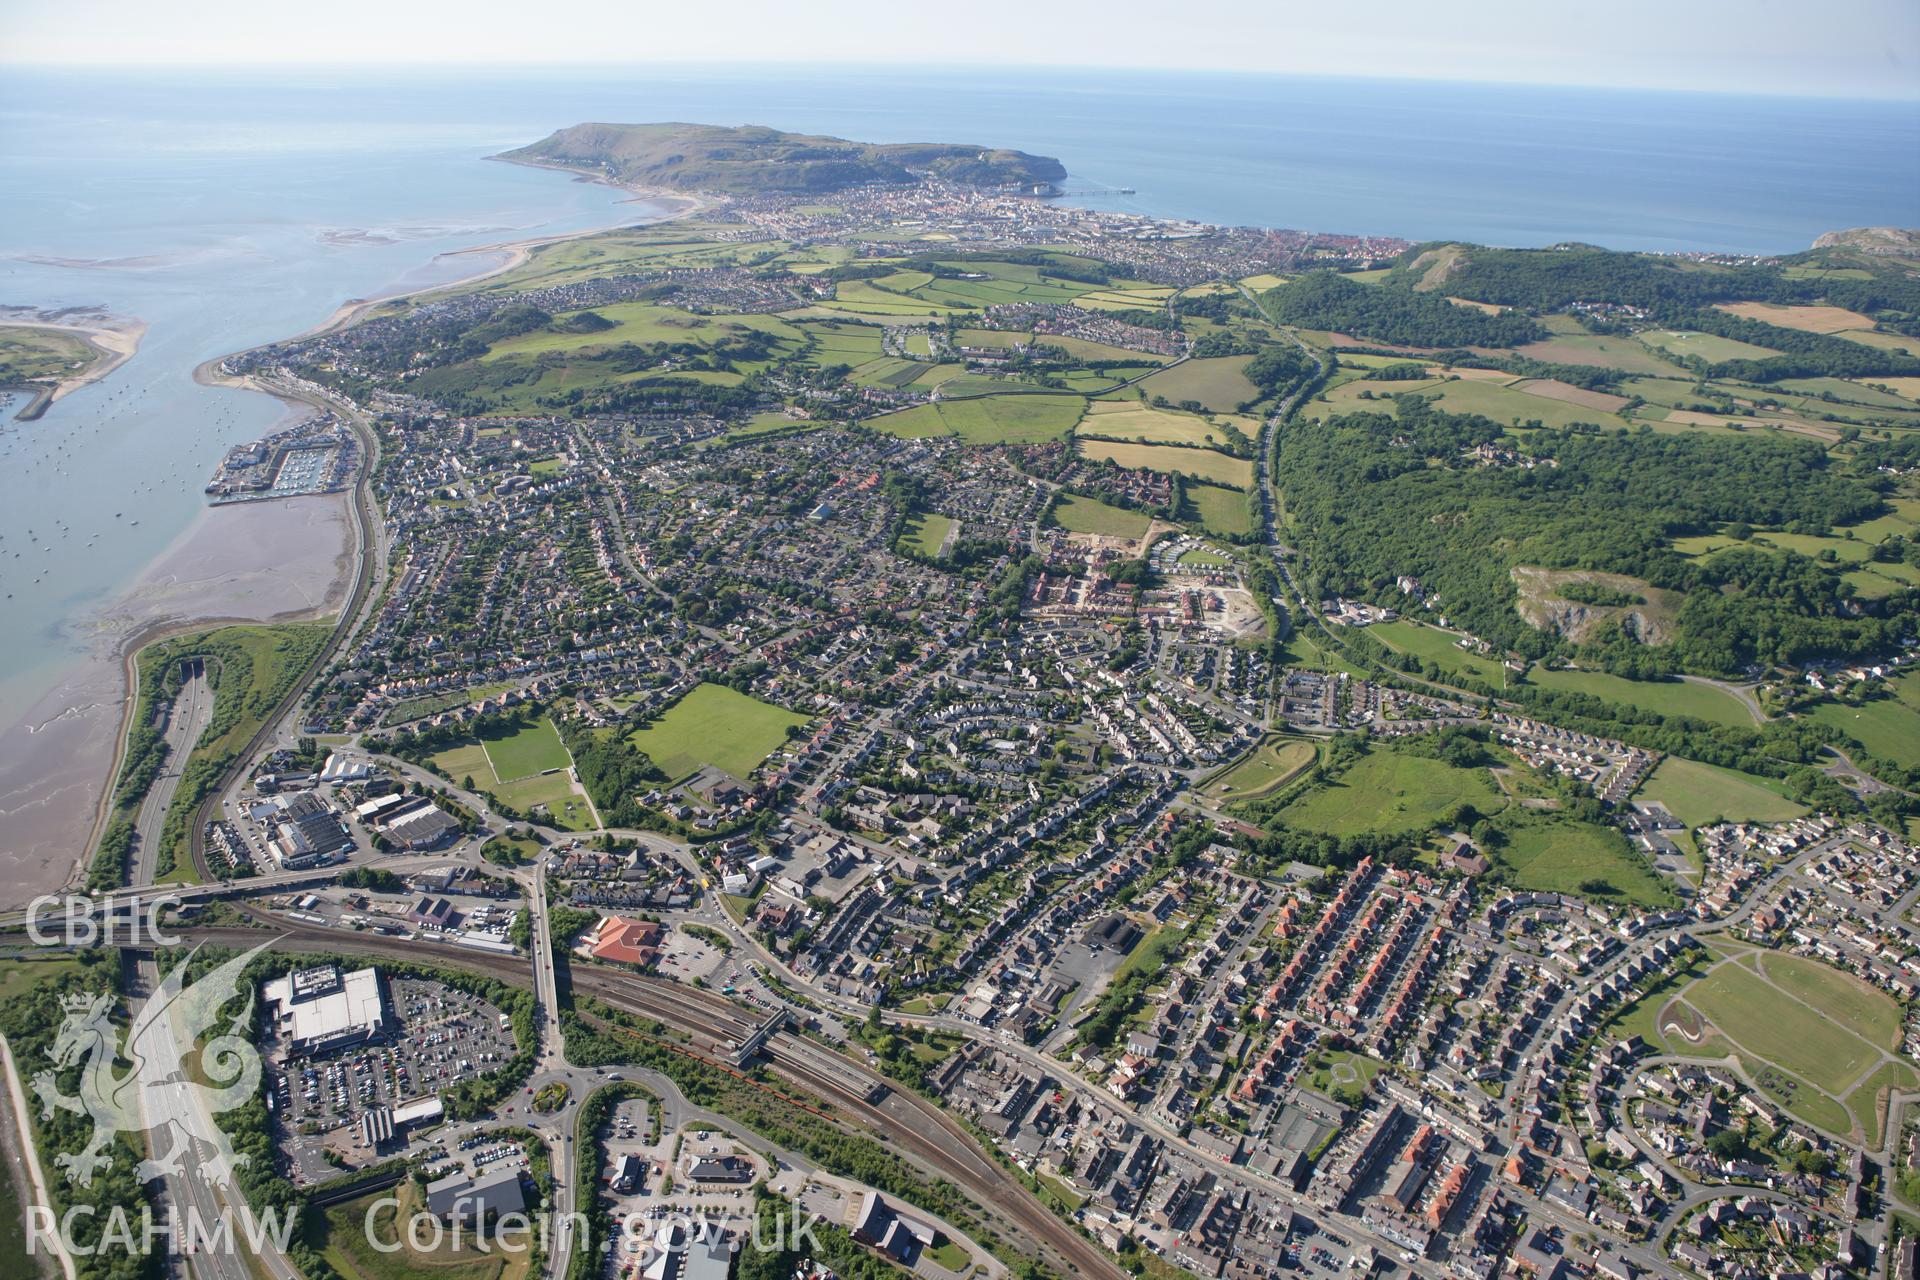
(1833, 48)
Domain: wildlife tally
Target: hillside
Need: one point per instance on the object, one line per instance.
(753, 159)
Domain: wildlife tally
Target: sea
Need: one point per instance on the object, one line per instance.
(224, 210)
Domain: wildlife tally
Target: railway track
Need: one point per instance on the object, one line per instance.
(903, 1120)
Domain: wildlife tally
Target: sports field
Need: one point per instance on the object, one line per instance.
(526, 767)
(1218, 383)
(1203, 463)
(1390, 790)
(1090, 515)
(714, 725)
(1703, 794)
(926, 532)
(1559, 855)
(1271, 766)
(1826, 1029)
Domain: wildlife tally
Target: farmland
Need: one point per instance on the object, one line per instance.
(998, 419)
(1203, 464)
(1220, 510)
(1219, 383)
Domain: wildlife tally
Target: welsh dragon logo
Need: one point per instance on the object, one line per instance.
(157, 1095)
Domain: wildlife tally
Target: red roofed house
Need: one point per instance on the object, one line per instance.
(626, 941)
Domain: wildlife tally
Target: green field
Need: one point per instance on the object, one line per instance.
(525, 767)
(525, 750)
(1122, 419)
(1218, 510)
(1703, 794)
(1888, 727)
(1090, 515)
(1271, 766)
(29, 353)
(1205, 464)
(1390, 790)
(1667, 697)
(1707, 346)
(1465, 395)
(1596, 349)
(1833, 1046)
(926, 533)
(644, 322)
(713, 725)
(996, 419)
(1219, 383)
(1559, 855)
(1439, 647)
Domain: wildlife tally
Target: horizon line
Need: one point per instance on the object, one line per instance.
(374, 69)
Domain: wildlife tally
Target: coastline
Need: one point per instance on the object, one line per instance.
(513, 253)
(345, 567)
(114, 339)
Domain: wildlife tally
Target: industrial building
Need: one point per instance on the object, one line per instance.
(319, 1011)
(460, 1198)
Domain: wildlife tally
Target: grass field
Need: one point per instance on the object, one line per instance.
(1888, 727)
(1466, 395)
(1559, 855)
(1090, 515)
(526, 750)
(997, 419)
(645, 322)
(1218, 383)
(1439, 647)
(1703, 794)
(1611, 353)
(713, 725)
(1133, 420)
(29, 353)
(1828, 1046)
(1271, 766)
(1202, 463)
(1667, 697)
(1219, 510)
(525, 767)
(1706, 346)
(926, 532)
(1390, 790)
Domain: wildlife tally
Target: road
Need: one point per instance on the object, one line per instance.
(186, 720)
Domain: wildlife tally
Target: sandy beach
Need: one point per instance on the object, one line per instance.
(115, 338)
